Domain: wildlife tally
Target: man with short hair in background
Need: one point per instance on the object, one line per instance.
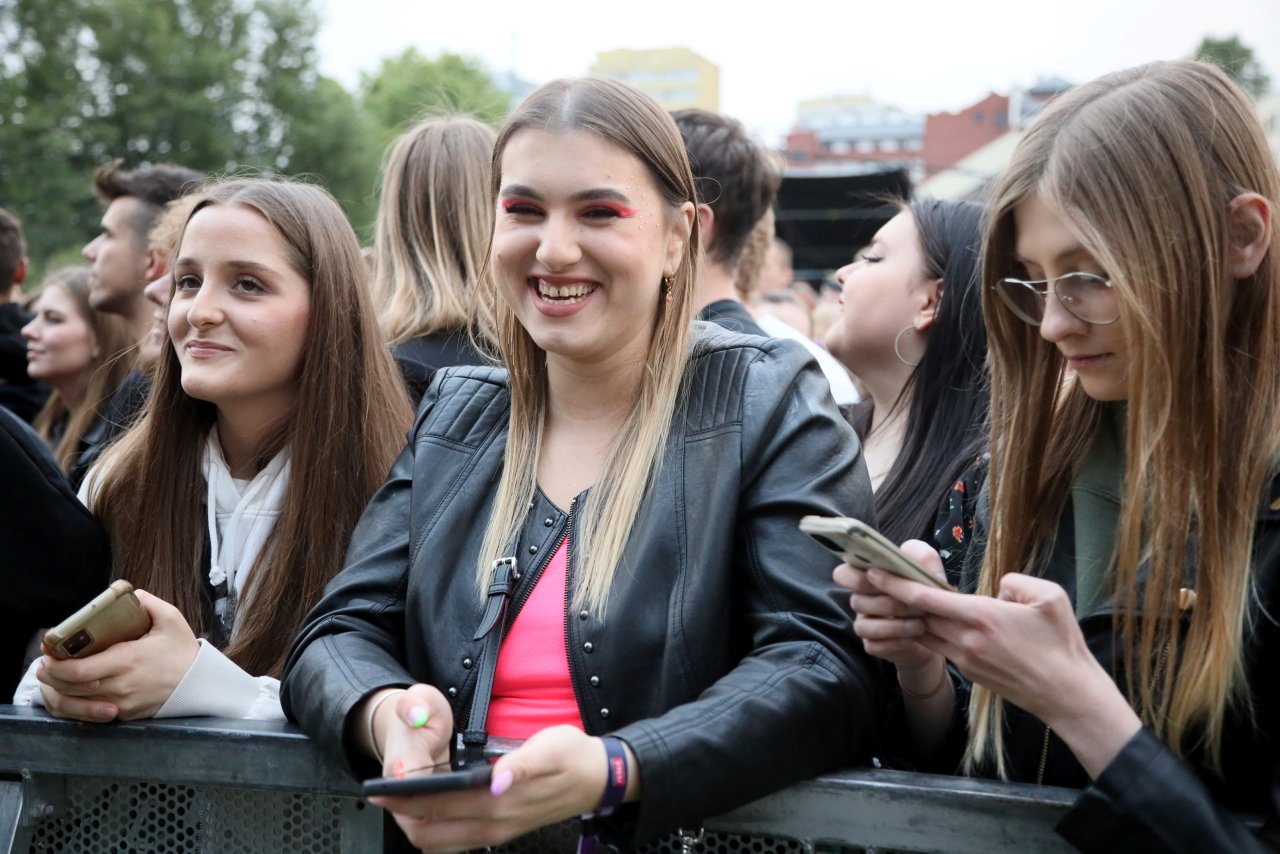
(123, 265)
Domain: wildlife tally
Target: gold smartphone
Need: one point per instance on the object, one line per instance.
(864, 547)
(113, 616)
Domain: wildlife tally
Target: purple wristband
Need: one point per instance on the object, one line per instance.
(615, 781)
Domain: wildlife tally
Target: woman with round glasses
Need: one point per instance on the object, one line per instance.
(1123, 632)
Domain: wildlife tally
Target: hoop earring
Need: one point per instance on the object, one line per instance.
(666, 288)
(897, 348)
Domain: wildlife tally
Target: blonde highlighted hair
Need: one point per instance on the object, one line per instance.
(627, 118)
(434, 216)
(108, 370)
(1142, 165)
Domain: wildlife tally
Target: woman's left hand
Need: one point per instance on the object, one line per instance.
(555, 775)
(127, 681)
(1026, 646)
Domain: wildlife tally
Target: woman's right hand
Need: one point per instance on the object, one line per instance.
(890, 629)
(413, 730)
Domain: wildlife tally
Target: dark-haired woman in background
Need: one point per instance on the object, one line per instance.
(911, 329)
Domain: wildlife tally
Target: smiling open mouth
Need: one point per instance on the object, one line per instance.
(564, 294)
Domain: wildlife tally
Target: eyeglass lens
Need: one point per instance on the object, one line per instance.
(1087, 297)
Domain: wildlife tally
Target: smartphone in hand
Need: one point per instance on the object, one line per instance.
(863, 547)
(114, 615)
(425, 784)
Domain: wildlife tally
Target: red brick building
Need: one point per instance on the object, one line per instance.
(950, 137)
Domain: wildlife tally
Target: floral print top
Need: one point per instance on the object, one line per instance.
(953, 528)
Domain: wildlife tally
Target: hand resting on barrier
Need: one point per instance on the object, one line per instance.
(557, 774)
(128, 681)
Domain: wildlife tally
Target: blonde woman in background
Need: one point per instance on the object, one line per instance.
(429, 245)
(80, 352)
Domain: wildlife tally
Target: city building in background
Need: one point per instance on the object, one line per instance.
(675, 77)
(854, 135)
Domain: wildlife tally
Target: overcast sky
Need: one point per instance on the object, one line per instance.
(924, 56)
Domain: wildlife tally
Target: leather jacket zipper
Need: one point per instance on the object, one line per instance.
(1044, 756)
(530, 579)
(568, 600)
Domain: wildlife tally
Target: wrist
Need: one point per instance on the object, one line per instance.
(376, 710)
(924, 681)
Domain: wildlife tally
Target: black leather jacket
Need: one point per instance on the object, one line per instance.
(727, 660)
(1148, 799)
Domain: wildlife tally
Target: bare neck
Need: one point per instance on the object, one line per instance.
(715, 283)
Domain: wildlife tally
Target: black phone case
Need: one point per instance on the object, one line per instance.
(425, 784)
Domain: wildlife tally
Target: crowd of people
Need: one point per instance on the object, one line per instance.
(1064, 401)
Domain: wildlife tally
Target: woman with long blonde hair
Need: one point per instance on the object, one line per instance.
(596, 549)
(1123, 634)
(430, 243)
(78, 351)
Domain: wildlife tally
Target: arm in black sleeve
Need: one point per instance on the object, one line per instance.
(805, 698)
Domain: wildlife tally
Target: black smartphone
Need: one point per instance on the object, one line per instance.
(426, 784)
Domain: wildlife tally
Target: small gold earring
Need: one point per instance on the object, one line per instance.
(666, 288)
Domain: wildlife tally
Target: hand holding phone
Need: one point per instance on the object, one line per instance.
(861, 546)
(428, 781)
(112, 616)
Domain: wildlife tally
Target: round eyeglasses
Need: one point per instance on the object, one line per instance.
(1087, 296)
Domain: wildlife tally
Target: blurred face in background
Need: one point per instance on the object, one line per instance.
(884, 292)
(62, 349)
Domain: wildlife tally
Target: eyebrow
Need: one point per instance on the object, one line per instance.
(252, 266)
(595, 194)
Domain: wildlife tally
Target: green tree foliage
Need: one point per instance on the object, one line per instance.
(220, 86)
(1237, 59)
(408, 86)
(215, 85)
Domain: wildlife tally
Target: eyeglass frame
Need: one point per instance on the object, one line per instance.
(1051, 287)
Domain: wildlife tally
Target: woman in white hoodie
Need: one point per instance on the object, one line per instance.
(273, 418)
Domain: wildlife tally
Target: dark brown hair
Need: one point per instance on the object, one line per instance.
(155, 186)
(734, 175)
(346, 427)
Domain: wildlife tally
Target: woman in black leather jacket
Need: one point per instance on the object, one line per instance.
(1124, 634)
(620, 505)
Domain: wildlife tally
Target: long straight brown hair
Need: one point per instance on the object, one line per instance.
(111, 335)
(346, 427)
(1142, 164)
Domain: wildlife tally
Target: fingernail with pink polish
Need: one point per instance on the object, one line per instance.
(501, 782)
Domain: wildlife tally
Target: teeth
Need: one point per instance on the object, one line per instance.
(568, 293)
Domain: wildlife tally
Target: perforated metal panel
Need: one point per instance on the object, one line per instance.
(98, 815)
(564, 838)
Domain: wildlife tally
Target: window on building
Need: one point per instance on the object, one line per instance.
(890, 145)
(865, 146)
(914, 145)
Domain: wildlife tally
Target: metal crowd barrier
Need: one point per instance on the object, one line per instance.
(209, 785)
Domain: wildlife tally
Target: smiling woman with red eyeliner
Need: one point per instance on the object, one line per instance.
(595, 549)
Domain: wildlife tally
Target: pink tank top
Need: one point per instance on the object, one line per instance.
(531, 686)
